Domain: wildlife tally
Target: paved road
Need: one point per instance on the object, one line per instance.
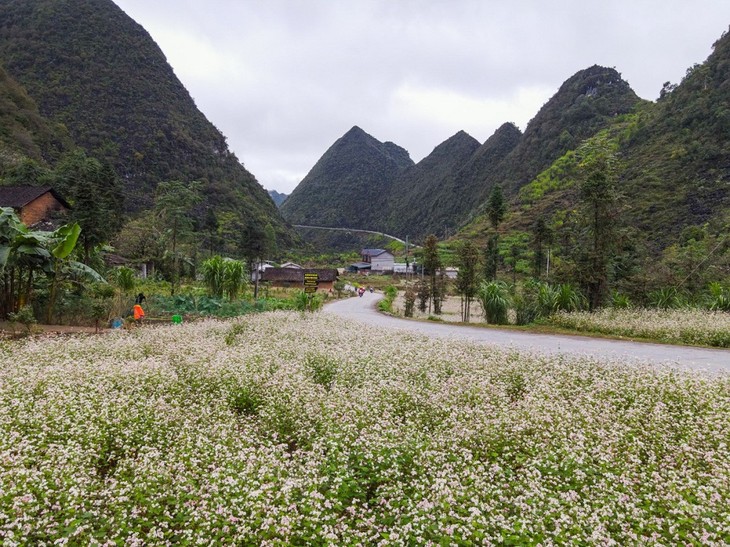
(711, 360)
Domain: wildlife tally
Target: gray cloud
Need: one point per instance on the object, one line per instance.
(284, 79)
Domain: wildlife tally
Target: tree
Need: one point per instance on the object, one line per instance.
(599, 201)
(491, 257)
(254, 246)
(23, 253)
(431, 265)
(513, 248)
(10, 230)
(467, 278)
(541, 238)
(28, 172)
(95, 193)
(173, 204)
(142, 240)
(496, 208)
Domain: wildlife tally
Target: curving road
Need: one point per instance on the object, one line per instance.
(710, 360)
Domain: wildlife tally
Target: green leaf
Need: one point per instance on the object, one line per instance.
(80, 269)
(69, 235)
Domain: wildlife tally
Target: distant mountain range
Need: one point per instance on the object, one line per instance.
(82, 73)
(277, 197)
(674, 163)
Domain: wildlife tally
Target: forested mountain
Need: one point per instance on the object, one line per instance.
(470, 184)
(672, 163)
(584, 104)
(422, 199)
(446, 188)
(349, 185)
(99, 75)
(676, 170)
(277, 197)
(24, 133)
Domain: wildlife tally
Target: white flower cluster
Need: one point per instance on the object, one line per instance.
(283, 428)
(684, 326)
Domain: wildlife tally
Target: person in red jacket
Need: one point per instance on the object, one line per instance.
(138, 313)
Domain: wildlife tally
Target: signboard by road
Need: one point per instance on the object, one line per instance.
(311, 281)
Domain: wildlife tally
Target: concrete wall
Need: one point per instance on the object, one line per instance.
(382, 263)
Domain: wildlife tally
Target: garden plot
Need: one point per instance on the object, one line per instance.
(284, 428)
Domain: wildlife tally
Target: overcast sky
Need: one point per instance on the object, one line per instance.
(284, 79)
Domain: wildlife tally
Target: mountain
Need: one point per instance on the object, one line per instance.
(470, 180)
(349, 185)
(94, 71)
(423, 198)
(677, 153)
(24, 133)
(277, 197)
(673, 170)
(583, 105)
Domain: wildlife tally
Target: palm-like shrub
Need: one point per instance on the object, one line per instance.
(234, 278)
(547, 299)
(212, 270)
(665, 298)
(307, 302)
(224, 276)
(495, 301)
(125, 279)
(568, 298)
(620, 301)
(719, 297)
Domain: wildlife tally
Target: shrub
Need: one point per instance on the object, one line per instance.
(620, 301)
(665, 298)
(495, 301)
(386, 304)
(125, 279)
(25, 317)
(410, 301)
(719, 297)
(303, 301)
(568, 298)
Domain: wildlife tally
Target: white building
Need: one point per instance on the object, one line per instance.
(380, 260)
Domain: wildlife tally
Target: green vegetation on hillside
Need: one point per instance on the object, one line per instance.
(94, 71)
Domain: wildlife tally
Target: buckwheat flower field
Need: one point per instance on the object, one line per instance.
(284, 429)
(682, 326)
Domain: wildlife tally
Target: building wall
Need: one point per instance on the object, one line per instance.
(382, 263)
(39, 209)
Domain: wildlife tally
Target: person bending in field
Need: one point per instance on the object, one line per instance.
(138, 313)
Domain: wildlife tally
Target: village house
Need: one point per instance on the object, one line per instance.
(379, 260)
(33, 204)
(294, 277)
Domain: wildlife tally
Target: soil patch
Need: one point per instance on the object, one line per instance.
(6, 328)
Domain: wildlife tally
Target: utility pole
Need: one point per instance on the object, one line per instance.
(406, 257)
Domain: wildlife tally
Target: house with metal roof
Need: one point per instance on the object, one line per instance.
(380, 260)
(293, 277)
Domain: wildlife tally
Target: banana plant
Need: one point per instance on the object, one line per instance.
(23, 253)
(62, 242)
(10, 228)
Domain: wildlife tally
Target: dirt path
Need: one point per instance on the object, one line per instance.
(6, 327)
(710, 360)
